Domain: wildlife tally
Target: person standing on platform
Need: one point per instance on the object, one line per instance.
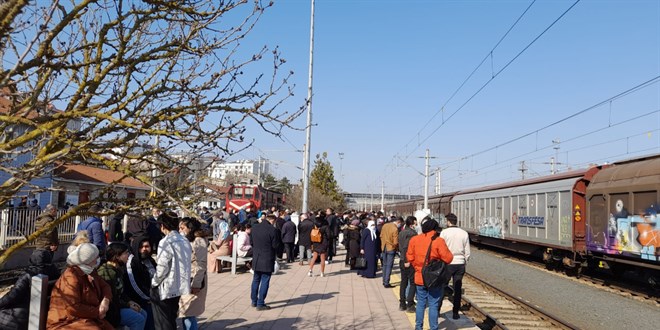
(173, 268)
(416, 256)
(458, 243)
(333, 231)
(49, 240)
(352, 242)
(94, 227)
(266, 241)
(319, 249)
(407, 300)
(289, 232)
(369, 248)
(389, 243)
(193, 305)
(304, 239)
(115, 231)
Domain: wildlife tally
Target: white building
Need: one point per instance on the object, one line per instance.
(242, 168)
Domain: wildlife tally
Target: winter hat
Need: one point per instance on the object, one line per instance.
(84, 254)
(355, 222)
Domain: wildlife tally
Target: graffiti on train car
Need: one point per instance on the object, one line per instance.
(531, 221)
(634, 234)
(492, 227)
(565, 233)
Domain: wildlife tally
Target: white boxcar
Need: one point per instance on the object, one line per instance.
(525, 216)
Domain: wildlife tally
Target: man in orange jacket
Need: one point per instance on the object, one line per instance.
(416, 255)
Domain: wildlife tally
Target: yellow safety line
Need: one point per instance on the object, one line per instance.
(411, 316)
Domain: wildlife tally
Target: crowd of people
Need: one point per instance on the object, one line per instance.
(112, 278)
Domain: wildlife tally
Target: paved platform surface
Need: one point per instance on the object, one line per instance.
(341, 300)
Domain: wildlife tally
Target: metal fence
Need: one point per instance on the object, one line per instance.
(16, 224)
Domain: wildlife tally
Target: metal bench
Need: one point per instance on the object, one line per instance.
(234, 259)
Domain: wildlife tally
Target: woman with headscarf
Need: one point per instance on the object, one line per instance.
(219, 246)
(369, 247)
(80, 298)
(352, 242)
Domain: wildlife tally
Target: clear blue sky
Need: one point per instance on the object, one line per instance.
(382, 69)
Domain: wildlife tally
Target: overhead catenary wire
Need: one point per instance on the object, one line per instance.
(628, 91)
(494, 76)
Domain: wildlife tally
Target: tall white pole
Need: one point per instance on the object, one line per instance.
(382, 197)
(308, 142)
(426, 181)
(259, 173)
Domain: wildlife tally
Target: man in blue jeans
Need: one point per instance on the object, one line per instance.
(418, 247)
(389, 243)
(267, 240)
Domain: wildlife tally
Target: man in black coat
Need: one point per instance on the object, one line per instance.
(304, 239)
(333, 228)
(289, 232)
(115, 231)
(266, 241)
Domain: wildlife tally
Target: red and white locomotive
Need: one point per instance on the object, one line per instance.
(243, 195)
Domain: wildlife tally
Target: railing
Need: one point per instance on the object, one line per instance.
(16, 224)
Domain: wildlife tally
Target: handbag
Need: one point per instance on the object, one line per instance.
(361, 262)
(434, 272)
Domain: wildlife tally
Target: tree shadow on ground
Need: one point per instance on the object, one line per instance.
(241, 323)
(318, 322)
(302, 299)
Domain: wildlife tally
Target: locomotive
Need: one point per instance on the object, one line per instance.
(244, 195)
(605, 216)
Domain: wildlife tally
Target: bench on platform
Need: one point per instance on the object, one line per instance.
(234, 259)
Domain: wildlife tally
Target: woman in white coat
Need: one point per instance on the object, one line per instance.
(193, 305)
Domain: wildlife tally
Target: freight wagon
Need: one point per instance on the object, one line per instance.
(605, 216)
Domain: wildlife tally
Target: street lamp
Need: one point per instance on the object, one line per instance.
(341, 175)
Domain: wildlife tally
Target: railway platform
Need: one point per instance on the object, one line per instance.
(340, 300)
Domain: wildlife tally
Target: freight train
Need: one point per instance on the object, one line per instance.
(605, 216)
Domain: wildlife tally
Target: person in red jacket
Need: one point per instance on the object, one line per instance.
(416, 255)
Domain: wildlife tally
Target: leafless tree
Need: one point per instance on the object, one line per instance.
(92, 81)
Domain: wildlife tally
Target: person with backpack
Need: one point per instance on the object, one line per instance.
(320, 241)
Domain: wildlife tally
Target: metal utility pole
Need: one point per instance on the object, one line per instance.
(382, 197)
(522, 169)
(426, 180)
(305, 196)
(555, 160)
(259, 173)
(438, 181)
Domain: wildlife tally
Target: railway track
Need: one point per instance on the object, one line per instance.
(601, 281)
(492, 308)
